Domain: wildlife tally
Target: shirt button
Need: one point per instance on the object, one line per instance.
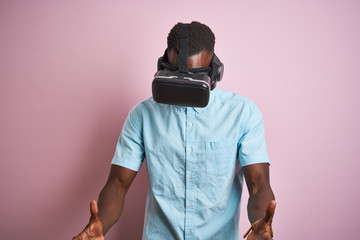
(188, 232)
(189, 204)
(189, 177)
(190, 124)
(190, 150)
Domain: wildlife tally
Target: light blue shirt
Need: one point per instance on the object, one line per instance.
(194, 158)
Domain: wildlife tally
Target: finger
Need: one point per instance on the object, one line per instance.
(93, 210)
(78, 237)
(270, 212)
(81, 236)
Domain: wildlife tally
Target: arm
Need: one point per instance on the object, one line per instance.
(260, 192)
(111, 203)
(112, 197)
(261, 204)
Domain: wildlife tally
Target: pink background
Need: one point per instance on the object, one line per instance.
(71, 70)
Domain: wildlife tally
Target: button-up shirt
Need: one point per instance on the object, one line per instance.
(194, 158)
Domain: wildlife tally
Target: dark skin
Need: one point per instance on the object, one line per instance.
(261, 204)
(111, 203)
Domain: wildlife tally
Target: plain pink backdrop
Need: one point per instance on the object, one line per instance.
(71, 70)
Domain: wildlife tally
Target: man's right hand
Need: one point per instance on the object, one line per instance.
(94, 230)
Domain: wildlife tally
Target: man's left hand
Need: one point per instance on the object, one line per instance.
(262, 229)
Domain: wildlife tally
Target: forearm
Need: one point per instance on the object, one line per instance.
(110, 203)
(258, 203)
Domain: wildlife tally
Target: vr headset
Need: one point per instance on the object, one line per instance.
(181, 86)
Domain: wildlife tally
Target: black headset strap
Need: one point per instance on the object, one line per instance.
(183, 48)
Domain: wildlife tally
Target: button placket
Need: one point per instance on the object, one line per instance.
(190, 166)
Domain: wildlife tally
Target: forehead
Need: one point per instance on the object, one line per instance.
(200, 60)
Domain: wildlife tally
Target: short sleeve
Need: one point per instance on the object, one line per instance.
(129, 151)
(252, 146)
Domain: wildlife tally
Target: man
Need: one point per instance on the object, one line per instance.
(196, 159)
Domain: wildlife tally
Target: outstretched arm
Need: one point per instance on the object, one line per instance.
(111, 203)
(112, 196)
(261, 204)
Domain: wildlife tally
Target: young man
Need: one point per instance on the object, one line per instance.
(196, 159)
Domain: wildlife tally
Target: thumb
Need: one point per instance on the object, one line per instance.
(270, 212)
(93, 210)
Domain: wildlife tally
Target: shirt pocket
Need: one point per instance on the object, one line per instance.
(220, 157)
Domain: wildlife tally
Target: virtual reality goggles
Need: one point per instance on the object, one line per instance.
(182, 86)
